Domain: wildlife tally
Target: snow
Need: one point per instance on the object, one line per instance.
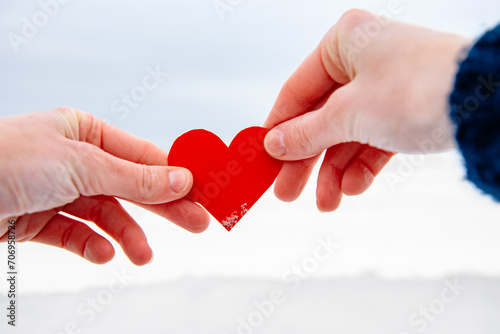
(230, 221)
(236, 306)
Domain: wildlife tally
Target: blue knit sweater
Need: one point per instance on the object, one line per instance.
(475, 108)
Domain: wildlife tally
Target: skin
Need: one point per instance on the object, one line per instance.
(364, 94)
(66, 161)
(358, 100)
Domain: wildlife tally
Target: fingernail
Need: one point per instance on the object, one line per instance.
(275, 143)
(179, 180)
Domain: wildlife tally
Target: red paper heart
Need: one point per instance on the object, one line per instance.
(227, 180)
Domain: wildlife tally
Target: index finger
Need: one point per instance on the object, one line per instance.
(118, 142)
(82, 126)
(302, 91)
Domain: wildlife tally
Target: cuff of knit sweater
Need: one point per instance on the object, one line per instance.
(475, 109)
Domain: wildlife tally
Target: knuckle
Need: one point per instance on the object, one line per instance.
(27, 231)
(98, 210)
(353, 18)
(69, 119)
(124, 234)
(342, 43)
(65, 110)
(91, 129)
(147, 183)
(67, 236)
(303, 141)
(81, 125)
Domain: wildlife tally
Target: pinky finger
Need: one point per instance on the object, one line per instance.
(329, 190)
(76, 237)
(361, 172)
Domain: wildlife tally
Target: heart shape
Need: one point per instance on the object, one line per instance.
(227, 180)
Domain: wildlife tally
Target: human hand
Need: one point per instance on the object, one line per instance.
(68, 161)
(361, 98)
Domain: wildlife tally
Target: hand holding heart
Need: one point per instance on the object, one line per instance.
(66, 161)
(370, 88)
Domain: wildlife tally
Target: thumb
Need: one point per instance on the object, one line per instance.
(101, 173)
(308, 135)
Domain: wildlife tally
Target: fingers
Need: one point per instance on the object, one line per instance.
(76, 237)
(310, 134)
(307, 85)
(307, 89)
(361, 172)
(329, 189)
(348, 168)
(111, 217)
(99, 173)
(342, 45)
(323, 71)
(86, 127)
(28, 226)
(126, 146)
(293, 178)
(55, 229)
(183, 212)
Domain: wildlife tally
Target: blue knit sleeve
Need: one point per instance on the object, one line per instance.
(475, 109)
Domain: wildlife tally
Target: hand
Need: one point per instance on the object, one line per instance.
(372, 87)
(65, 161)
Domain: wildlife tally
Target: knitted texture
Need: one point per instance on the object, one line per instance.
(475, 109)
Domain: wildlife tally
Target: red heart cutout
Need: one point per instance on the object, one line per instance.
(227, 180)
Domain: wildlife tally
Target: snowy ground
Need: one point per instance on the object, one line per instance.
(228, 306)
